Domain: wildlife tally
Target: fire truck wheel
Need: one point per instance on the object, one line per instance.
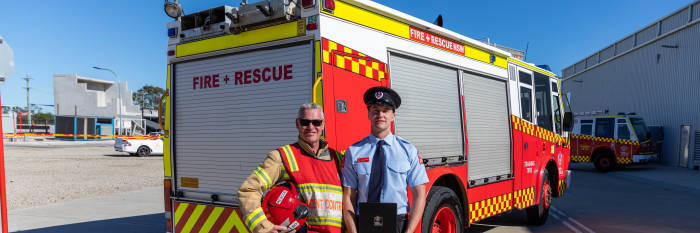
(604, 162)
(443, 212)
(143, 151)
(537, 214)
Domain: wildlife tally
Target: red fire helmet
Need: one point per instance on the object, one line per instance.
(282, 206)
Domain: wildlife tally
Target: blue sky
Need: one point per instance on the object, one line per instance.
(55, 37)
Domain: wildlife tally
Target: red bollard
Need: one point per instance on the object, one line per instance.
(3, 196)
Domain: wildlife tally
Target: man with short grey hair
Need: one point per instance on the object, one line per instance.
(311, 166)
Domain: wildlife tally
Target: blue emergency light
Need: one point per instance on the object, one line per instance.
(172, 32)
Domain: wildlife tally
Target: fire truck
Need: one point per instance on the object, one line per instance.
(611, 140)
(492, 130)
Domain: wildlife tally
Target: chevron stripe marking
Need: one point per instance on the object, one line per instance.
(189, 208)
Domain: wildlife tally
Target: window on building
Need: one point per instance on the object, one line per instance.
(543, 102)
(604, 127)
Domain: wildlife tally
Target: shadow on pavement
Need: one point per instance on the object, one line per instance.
(145, 223)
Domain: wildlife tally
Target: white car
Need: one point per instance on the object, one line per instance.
(140, 147)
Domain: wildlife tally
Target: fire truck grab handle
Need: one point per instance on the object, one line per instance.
(526, 145)
(160, 113)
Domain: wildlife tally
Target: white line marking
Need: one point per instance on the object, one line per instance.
(571, 227)
(571, 219)
(581, 225)
(558, 211)
(555, 216)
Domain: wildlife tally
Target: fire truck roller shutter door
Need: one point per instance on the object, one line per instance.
(429, 116)
(488, 128)
(224, 128)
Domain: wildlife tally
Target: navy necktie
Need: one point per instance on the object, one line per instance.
(376, 178)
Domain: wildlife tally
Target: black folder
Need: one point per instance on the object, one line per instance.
(377, 217)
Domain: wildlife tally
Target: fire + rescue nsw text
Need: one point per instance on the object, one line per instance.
(265, 74)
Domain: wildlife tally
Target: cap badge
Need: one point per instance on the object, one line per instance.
(378, 95)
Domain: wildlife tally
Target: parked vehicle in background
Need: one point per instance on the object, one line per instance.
(152, 145)
(610, 141)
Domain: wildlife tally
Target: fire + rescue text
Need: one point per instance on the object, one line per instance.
(264, 74)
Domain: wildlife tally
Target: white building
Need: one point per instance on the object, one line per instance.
(88, 97)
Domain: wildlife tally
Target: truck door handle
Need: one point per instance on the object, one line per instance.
(526, 145)
(341, 106)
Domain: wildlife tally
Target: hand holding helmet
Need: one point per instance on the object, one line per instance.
(282, 207)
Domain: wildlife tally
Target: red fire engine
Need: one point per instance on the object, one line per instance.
(491, 129)
(608, 141)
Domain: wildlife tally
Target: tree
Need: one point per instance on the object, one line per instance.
(148, 96)
(43, 118)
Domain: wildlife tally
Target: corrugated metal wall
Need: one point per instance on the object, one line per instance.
(660, 81)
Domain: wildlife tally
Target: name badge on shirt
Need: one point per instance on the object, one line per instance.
(363, 160)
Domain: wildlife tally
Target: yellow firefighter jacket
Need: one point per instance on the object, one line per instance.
(251, 191)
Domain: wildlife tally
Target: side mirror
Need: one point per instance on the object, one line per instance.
(568, 121)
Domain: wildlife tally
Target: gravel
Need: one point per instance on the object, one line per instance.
(44, 173)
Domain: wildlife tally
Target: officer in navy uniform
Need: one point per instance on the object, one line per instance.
(379, 167)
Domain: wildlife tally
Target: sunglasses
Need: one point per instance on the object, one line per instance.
(305, 122)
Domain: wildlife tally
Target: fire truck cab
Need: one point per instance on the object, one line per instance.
(611, 140)
(492, 130)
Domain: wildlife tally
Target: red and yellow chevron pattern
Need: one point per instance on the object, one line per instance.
(602, 139)
(533, 130)
(624, 160)
(490, 207)
(627, 142)
(562, 187)
(353, 61)
(524, 197)
(579, 136)
(190, 217)
(580, 158)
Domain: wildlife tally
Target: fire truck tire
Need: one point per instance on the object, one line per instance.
(604, 162)
(443, 212)
(143, 151)
(537, 214)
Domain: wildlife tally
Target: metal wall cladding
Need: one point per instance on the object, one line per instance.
(606, 53)
(568, 71)
(580, 66)
(648, 34)
(696, 151)
(488, 126)
(658, 81)
(696, 11)
(592, 60)
(624, 45)
(430, 113)
(675, 21)
(221, 134)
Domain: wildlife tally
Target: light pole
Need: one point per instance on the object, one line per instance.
(119, 101)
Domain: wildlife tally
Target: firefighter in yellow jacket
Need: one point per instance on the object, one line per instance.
(311, 165)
